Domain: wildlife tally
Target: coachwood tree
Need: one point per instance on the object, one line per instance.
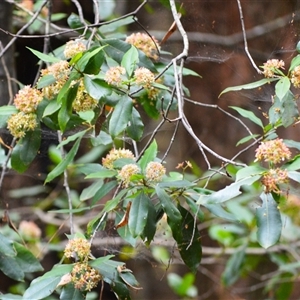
(116, 187)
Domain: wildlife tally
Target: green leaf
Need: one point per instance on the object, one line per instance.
(104, 191)
(62, 166)
(65, 111)
(26, 150)
(6, 246)
(135, 128)
(250, 171)
(96, 88)
(70, 292)
(219, 211)
(46, 81)
(5, 112)
(229, 192)
(44, 57)
(293, 165)
(167, 205)
(233, 267)
(268, 221)
(187, 238)
(282, 87)
(295, 61)
(249, 86)
(51, 108)
(138, 214)
(104, 173)
(294, 175)
(130, 60)
(249, 115)
(91, 190)
(91, 61)
(26, 260)
(45, 285)
(148, 156)
(150, 227)
(246, 139)
(10, 267)
(291, 111)
(120, 116)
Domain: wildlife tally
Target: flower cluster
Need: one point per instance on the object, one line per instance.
(74, 47)
(29, 230)
(115, 154)
(273, 151)
(113, 75)
(144, 77)
(60, 71)
(18, 124)
(155, 171)
(126, 172)
(84, 277)
(83, 101)
(145, 43)
(295, 77)
(272, 178)
(271, 67)
(27, 99)
(79, 248)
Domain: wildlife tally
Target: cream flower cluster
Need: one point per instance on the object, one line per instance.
(271, 67)
(73, 48)
(273, 151)
(295, 77)
(145, 43)
(115, 154)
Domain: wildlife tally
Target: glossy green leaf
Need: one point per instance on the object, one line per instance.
(249, 86)
(73, 138)
(62, 166)
(220, 212)
(233, 267)
(44, 57)
(246, 139)
(6, 246)
(135, 128)
(148, 156)
(26, 260)
(108, 269)
(102, 139)
(11, 297)
(91, 61)
(65, 111)
(129, 279)
(10, 267)
(268, 221)
(96, 88)
(117, 48)
(150, 227)
(46, 81)
(104, 173)
(138, 214)
(104, 191)
(167, 205)
(70, 292)
(294, 164)
(130, 60)
(91, 190)
(124, 231)
(249, 115)
(51, 108)
(187, 238)
(26, 150)
(250, 171)
(291, 111)
(5, 112)
(229, 192)
(295, 61)
(45, 285)
(282, 87)
(294, 175)
(120, 116)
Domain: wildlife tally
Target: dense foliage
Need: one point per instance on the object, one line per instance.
(94, 91)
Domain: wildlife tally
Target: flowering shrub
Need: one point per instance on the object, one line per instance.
(98, 87)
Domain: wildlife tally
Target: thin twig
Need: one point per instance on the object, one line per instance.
(245, 38)
(66, 185)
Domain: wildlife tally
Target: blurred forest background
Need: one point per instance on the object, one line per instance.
(217, 53)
